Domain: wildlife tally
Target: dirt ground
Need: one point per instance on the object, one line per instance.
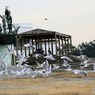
(55, 84)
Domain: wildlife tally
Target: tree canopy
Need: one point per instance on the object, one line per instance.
(85, 48)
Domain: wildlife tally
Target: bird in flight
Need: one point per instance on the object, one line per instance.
(45, 18)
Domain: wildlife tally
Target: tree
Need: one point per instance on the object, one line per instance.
(86, 49)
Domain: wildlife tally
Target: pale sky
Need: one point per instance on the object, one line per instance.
(72, 17)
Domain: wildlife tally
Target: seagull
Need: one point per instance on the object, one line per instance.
(84, 60)
(86, 65)
(29, 44)
(29, 66)
(21, 58)
(66, 58)
(4, 64)
(64, 63)
(40, 65)
(47, 70)
(46, 65)
(69, 68)
(82, 57)
(45, 18)
(55, 66)
(50, 57)
(84, 73)
(94, 67)
(10, 49)
(24, 71)
(37, 55)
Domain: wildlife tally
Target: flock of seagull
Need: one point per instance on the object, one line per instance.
(42, 69)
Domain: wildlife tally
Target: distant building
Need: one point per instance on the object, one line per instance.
(24, 27)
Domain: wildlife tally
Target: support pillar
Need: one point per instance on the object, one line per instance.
(55, 44)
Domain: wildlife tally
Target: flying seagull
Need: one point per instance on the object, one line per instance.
(10, 49)
(29, 44)
(45, 18)
(66, 58)
(50, 57)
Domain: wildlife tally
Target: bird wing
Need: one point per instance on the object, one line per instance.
(5, 57)
(67, 58)
(5, 66)
(38, 63)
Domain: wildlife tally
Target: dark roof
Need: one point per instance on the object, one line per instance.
(42, 32)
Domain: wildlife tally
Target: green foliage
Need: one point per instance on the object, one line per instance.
(85, 48)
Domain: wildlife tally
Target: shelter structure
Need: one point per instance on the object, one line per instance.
(59, 43)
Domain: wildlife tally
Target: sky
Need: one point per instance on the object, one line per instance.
(72, 17)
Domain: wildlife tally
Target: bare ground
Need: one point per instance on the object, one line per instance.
(56, 84)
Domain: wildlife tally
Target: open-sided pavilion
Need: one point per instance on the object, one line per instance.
(59, 43)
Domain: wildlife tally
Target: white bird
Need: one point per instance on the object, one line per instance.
(90, 64)
(86, 65)
(24, 71)
(29, 66)
(55, 66)
(84, 60)
(64, 63)
(49, 69)
(29, 44)
(37, 55)
(4, 59)
(50, 57)
(4, 63)
(38, 72)
(5, 68)
(68, 68)
(66, 58)
(94, 67)
(33, 76)
(21, 58)
(2, 72)
(40, 65)
(46, 66)
(80, 72)
(10, 49)
(83, 56)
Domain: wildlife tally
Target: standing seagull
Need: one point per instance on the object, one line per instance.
(68, 68)
(64, 63)
(94, 67)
